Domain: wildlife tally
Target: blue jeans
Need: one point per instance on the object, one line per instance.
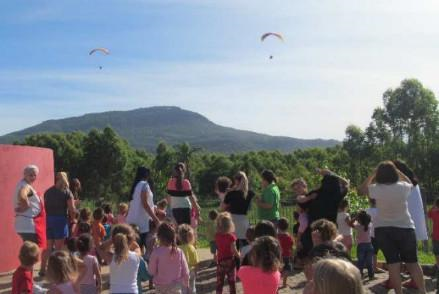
(365, 254)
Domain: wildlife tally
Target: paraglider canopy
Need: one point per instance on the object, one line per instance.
(103, 50)
(266, 35)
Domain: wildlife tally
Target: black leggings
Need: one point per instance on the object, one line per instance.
(182, 215)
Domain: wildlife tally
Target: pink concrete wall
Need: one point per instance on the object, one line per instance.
(12, 161)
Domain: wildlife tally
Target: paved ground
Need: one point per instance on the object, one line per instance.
(206, 281)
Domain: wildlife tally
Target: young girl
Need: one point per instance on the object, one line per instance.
(334, 276)
(121, 217)
(186, 237)
(124, 261)
(264, 275)
(344, 224)
(167, 264)
(61, 272)
(365, 249)
(226, 252)
(160, 210)
(89, 280)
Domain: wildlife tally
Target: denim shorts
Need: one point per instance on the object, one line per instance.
(398, 244)
(57, 227)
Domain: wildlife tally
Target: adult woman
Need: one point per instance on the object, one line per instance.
(59, 202)
(141, 208)
(237, 202)
(394, 227)
(269, 203)
(30, 221)
(180, 196)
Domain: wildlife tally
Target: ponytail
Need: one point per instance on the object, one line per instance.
(167, 236)
(121, 247)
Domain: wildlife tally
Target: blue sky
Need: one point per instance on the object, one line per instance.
(337, 60)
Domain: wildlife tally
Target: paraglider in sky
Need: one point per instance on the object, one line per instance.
(266, 35)
(104, 51)
(275, 35)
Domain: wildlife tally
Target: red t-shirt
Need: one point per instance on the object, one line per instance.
(224, 245)
(286, 243)
(22, 281)
(255, 281)
(433, 214)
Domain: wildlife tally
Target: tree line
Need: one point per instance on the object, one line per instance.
(405, 127)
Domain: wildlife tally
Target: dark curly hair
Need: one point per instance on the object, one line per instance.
(266, 254)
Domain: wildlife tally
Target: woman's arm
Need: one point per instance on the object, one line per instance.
(23, 201)
(364, 187)
(104, 251)
(194, 203)
(144, 197)
(403, 177)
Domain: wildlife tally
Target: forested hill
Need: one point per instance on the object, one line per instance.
(144, 128)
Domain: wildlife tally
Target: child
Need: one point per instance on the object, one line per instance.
(187, 239)
(98, 229)
(364, 245)
(160, 210)
(124, 260)
(210, 234)
(84, 223)
(222, 186)
(167, 264)
(433, 214)
(73, 226)
(61, 272)
(334, 276)
(373, 211)
(107, 227)
(300, 189)
(226, 252)
(263, 276)
(344, 224)
(90, 280)
(22, 280)
(121, 217)
(286, 244)
(108, 213)
(250, 236)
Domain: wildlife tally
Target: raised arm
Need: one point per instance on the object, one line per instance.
(363, 189)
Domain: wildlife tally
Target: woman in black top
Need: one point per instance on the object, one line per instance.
(237, 202)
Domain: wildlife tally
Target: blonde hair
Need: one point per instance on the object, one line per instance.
(298, 181)
(334, 276)
(243, 183)
(61, 267)
(29, 253)
(123, 207)
(122, 236)
(63, 178)
(185, 234)
(224, 223)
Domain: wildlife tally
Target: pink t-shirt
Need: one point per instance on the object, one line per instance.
(362, 235)
(255, 281)
(89, 277)
(303, 222)
(168, 268)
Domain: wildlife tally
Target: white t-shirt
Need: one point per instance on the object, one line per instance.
(24, 221)
(372, 211)
(123, 277)
(416, 209)
(343, 227)
(391, 202)
(136, 213)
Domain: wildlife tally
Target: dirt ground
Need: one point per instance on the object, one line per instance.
(206, 281)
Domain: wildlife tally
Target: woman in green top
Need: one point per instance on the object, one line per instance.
(269, 203)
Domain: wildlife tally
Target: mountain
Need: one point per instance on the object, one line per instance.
(143, 128)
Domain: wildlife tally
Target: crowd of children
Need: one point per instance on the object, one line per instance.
(168, 256)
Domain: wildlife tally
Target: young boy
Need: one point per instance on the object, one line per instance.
(22, 280)
(97, 228)
(210, 234)
(250, 236)
(433, 214)
(286, 243)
